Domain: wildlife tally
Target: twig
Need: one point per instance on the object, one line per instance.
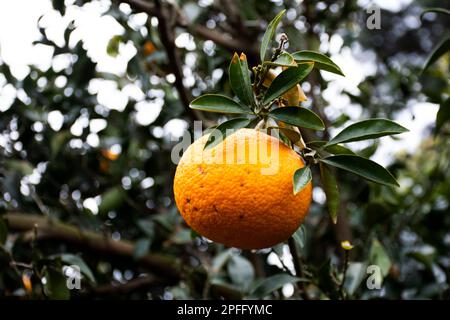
(298, 267)
(341, 287)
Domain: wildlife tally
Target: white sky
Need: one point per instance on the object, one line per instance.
(18, 29)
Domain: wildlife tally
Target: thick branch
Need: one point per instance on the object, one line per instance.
(52, 229)
(221, 39)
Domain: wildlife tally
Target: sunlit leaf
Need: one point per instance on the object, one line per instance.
(299, 236)
(301, 179)
(321, 61)
(442, 48)
(269, 34)
(297, 116)
(363, 167)
(330, 187)
(217, 103)
(286, 80)
(285, 59)
(367, 129)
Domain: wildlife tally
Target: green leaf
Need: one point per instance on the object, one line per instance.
(334, 149)
(270, 284)
(220, 260)
(72, 259)
(330, 187)
(443, 115)
(321, 61)
(284, 60)
(298, 116)
(141, 248)
(56, 285)
(299, 236)
(356, 273)
(3, 231)
(240, 271)
(112, 48)
(58, 141)
(286, 80)
(217, 103)
(240, 79)
(147, 227)
(378, 256)
(442, 48)
(22, 166)
(301, 178)
(363, 167)
(112, 199)
(224, 129)
(367, 129)
(269, 34)
(435, 10)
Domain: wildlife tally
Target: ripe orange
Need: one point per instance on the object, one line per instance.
(240, 192)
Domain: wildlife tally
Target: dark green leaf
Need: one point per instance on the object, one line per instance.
(284, 60)
(334, 149)
(147, 227)
(240, 79)
(330, 187)
(56, 285)
(367, 129)
(217, 103)
(3, 231)
(286, 80)
(141, 248)
(298, 116)
(442, 48)
(224, 129)
(240, 271)
(443, 115)
(435, 10)
(364, 167)
(321, 61)
(269, 34)
(301, 179)
(270, 284)
(378, 256)
(112, 199)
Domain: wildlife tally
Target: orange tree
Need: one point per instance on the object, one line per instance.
(108, 208)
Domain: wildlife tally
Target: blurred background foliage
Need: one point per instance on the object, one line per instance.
(89, 182)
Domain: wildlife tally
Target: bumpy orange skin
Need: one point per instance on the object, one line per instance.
(248, 202)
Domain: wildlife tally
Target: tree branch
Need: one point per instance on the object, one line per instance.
(47, 228)
(221, 39)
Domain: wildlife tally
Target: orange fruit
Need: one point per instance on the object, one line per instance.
(240, 192)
